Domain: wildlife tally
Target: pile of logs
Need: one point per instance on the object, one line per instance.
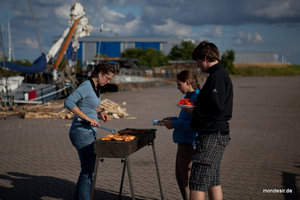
(51, 109)
(112, 109)
(56, 109)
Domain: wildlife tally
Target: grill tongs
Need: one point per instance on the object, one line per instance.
(102, 127)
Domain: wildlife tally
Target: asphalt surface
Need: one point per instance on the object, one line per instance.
(37, 160)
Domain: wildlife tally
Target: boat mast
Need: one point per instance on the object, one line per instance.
(4, 65)
(9, 42)
(2, 47)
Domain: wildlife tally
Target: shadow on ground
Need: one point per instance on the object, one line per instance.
(289, 183)
(31, 187)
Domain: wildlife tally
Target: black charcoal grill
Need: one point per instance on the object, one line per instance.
(123, 149)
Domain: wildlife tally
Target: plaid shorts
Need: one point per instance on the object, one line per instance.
(205, 171)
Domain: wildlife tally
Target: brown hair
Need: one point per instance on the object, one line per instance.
(104, 67)
(206, 50)
(187, 75)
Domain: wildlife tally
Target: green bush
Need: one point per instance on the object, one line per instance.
(183, 51)
(149, 57)
(227, 60)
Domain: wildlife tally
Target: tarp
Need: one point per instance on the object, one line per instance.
(39, 65)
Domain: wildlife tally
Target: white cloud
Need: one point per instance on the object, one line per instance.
(248, 38)
(32, 44)
(63, 12)
(110, 15)
(215, 32)
(173, 27)
(281, 9)
(257, 38)
(128, 28)
(131, 26)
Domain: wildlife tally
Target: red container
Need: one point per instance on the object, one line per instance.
(31, 94)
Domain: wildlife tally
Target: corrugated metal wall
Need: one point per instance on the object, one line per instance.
(146, 45)
(111, 49)
(89, 51)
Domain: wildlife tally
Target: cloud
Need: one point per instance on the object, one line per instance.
(110, 15)
(126, 29)
(172, 27)
(257, 39)
(219, 12)
(277, 10)
(63, 12)
(132, 26)
(244, 38)
(152, 18)
(32, 44)
(215, 32)
(114, 23)
(103, 15)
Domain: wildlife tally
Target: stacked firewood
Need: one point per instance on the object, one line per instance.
(112, 109)
(56, 109)
(51, 109)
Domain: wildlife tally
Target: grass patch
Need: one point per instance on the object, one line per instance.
(266, 70)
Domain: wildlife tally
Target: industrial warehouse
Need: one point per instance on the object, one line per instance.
(89, 47)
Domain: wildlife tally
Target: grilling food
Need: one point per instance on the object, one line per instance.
(106, 138)
(118, 137)
(129, 138)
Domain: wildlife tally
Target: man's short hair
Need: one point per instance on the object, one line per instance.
(206, 50)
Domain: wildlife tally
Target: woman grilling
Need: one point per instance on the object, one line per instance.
(83, 102)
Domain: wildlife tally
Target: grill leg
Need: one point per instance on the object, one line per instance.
(122, 179)
(95, 177)
(129, 177)
(157, 170)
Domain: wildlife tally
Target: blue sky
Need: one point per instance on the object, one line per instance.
(240, 25)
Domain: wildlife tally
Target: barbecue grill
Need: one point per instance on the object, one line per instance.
(123, 149)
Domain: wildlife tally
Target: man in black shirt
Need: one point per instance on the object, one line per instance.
(210, 120)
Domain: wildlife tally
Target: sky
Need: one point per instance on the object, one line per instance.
(239, 25)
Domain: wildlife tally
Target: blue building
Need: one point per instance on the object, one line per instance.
(114, 46)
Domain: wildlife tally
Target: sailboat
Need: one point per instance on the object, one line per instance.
(13, 82)
(78, 27)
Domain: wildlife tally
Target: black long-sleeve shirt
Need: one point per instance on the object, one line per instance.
(214, 102)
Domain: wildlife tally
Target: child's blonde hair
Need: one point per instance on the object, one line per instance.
(187, 75)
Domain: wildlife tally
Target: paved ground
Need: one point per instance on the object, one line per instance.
(37, 160)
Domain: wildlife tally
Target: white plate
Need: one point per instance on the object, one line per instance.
(186, 106)
(157, 122)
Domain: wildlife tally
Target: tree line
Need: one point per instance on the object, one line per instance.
(153, 58)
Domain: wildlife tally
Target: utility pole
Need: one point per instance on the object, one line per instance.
(99, 47)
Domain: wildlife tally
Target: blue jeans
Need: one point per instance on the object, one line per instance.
(83, 141)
